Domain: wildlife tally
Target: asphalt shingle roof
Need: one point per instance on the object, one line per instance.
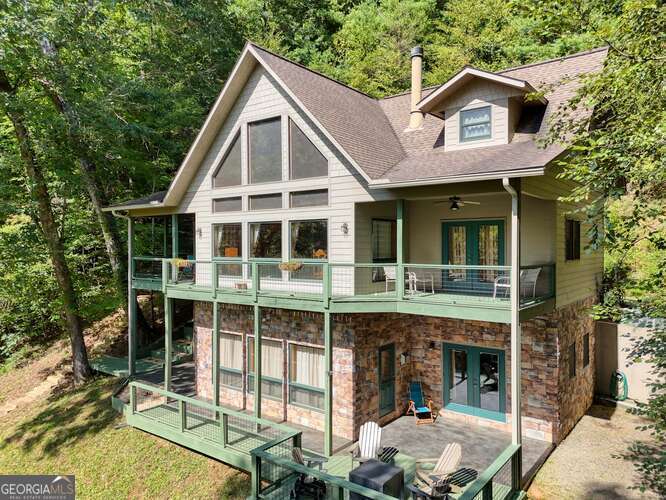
(354, 119)
(374, 132)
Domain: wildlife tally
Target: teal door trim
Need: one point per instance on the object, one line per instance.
(473, 406)
(472, 229)
(387, 385)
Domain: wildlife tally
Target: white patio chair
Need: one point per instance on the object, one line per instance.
(390, 277)
(369, 442)
(425, 279)
(528, 281)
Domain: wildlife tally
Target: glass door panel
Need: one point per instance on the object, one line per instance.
(472, 243)
(457, 252)
(386, 379)
(458, 377)
(489, 393)
(488, 251)
(474, 380)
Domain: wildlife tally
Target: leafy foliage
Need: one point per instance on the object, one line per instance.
(142, 74)
(620, 167)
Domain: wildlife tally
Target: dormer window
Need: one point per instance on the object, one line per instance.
(475, 124)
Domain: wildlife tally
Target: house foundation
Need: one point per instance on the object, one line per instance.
(553, 399)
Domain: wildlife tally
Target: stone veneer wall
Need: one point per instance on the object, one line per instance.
(575, 395)
(286, 326)
(552, 403)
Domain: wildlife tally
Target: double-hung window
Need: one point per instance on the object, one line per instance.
(384, 246)
(384, 240)
(306, 376)
(475, 124)
(572, 239)
(231, 360)
(272, 368)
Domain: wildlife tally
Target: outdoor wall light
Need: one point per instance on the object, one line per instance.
(199, 232)
(433, 344)
(345, 228)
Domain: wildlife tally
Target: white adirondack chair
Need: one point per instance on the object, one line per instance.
(447, 464)
(369, 442)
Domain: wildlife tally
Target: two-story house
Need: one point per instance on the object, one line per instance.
(336, 247)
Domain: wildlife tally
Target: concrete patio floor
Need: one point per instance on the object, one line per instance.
(480, 445)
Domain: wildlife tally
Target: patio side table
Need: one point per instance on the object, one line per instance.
(378, 476)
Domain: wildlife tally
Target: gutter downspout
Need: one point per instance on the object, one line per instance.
(516, 437)
(131, 297)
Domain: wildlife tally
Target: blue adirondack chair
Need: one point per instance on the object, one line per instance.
(419, 405)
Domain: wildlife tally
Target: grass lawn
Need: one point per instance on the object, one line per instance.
(77, 432)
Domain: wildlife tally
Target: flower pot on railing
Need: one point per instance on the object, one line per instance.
(290, 266)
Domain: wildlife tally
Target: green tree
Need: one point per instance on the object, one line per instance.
(618, 159)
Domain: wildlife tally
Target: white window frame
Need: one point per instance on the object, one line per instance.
(488, 137)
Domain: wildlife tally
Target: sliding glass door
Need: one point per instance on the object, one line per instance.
(474, 380)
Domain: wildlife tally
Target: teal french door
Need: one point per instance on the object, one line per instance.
(472, 243)
(386, 379)
(474, 380)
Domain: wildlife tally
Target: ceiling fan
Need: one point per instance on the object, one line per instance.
(457, 203)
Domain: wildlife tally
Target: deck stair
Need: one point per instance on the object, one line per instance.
(149, 357)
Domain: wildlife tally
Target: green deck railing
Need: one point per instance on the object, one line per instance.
(501, 480)
(275, 475)
(264, 448)
(324, 282)
(223, 433)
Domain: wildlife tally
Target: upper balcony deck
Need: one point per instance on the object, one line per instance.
(463, 292)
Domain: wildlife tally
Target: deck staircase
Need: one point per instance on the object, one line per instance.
(149, 357)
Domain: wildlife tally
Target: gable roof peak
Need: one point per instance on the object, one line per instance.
(295, 63)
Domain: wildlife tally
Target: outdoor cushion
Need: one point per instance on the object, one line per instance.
(423, 409)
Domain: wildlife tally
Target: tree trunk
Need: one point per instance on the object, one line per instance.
(88, 171)
(39, 191)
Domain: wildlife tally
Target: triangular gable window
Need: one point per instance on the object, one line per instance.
(229, 171)
(306, 160)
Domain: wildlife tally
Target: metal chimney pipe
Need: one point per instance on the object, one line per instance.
(415, 116)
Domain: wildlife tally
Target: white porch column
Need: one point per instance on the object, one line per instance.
(516, 341)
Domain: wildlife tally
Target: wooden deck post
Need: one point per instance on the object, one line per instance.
(257, 361)
(328, 387)
(216, 355)
(131, 302)
(400, 257)
(516, 471)
(256, 477)
(174, 236)
(168, 341)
